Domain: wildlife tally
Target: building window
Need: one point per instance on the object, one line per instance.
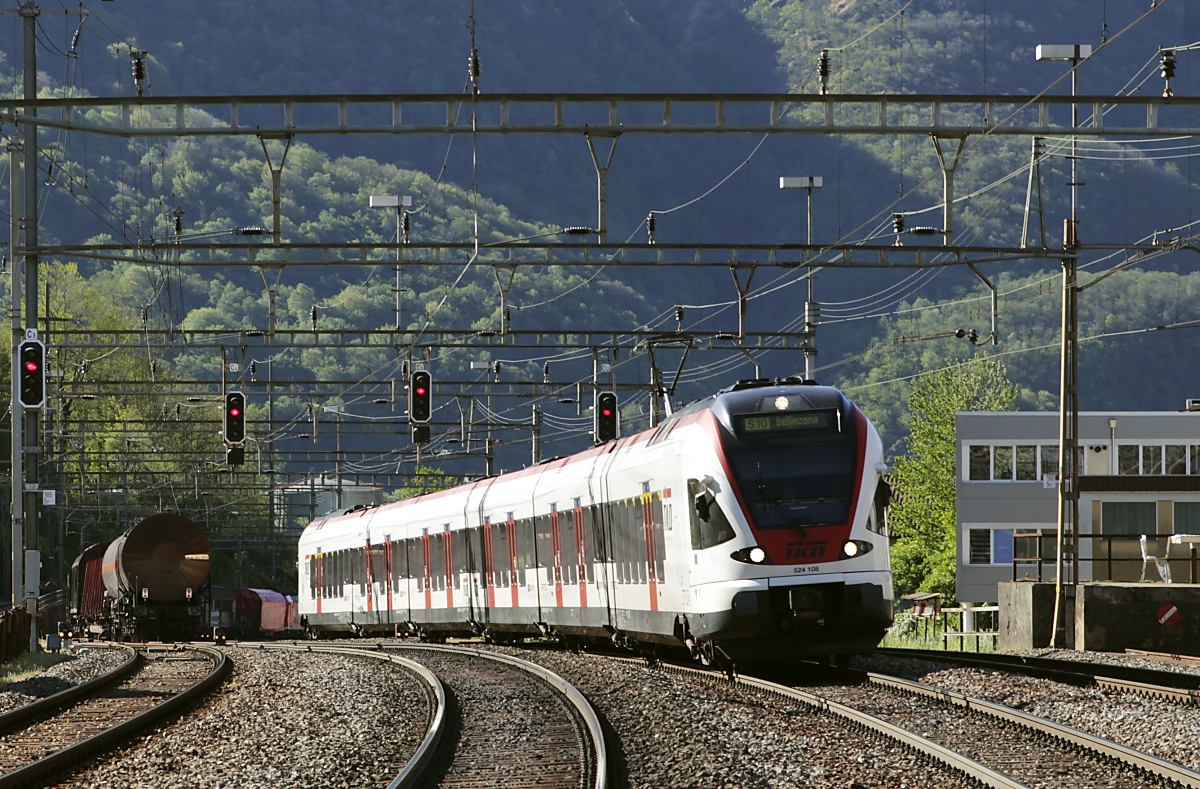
(1176, 459)
(1023, 463)
(1128, 517)
(980, 463)
(1194, 459)
(1128, 460)
(989, 546)
(980, 546)
(1049, 461)
(1045, 544)
(1002, 463)
(1152, 457)
(1027, 463)
(1187, 517)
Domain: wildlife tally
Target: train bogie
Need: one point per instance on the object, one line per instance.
(748, 525)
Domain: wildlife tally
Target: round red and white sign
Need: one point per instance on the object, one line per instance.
(1168, 615)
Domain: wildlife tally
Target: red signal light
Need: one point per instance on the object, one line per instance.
(420, 397)
(31, 366)
(606, 427)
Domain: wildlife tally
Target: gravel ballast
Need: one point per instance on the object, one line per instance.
(282, 720)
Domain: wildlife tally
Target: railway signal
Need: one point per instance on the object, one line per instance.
(420, 397)
(31, 357)
(607, 417)
(235, 419)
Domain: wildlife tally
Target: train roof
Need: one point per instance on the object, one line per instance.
(744, 396)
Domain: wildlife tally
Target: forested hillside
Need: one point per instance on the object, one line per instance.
(710, 189)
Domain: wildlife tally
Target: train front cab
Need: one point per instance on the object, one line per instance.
(805, 570)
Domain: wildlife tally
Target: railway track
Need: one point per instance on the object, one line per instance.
(493, 720)
(1173, 686)
(45, 738)
(514, 724)
(989, 744)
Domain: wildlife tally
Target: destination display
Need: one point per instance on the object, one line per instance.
(785, 421)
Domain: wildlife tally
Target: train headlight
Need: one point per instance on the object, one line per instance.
(752, 555)
(854, 548)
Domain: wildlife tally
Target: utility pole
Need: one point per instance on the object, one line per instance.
(1068, 406)
(812, 310)
(25, 422)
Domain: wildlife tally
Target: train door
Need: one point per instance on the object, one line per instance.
(515, 580)
(473, 571)
(389, 577)
(490, 576)
(583, 559)
(595, 560)
(543, 566)
(556, 562)
(570, 597)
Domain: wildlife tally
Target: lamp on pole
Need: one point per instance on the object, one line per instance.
(812, 310)
(398, 203)
(1068, 406)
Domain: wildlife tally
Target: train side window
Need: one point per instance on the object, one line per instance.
(660, 539)
(618, 530)
(877, 522)
(568, 546)
(588, 532)
(458, 556)
(594, 516)
(525, 550)
(379, 572)
(499, 557)
(437, 561)
(709, 525)
(312, 576)
(639, 534)
(416, 562)
(545, 547)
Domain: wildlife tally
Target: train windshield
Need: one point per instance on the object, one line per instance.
(796, 485)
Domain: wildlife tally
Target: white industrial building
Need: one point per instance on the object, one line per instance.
(1139, 475)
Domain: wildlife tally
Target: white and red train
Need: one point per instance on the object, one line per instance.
(749, 525)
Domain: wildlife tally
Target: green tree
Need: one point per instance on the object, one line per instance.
(424, 480)
(922, 515)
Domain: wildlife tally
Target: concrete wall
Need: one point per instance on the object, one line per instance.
(1108, 617)
(1154, 616)
(1027, 615)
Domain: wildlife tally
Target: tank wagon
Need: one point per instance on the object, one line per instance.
(749, 525)
(151, 583)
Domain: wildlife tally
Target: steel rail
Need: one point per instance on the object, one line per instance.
(60, 761)
(1183, 688)
(1161, 768)
(1076, 671)
(577, 700)
(956, 761)
(25, 715)
(411, 774)
(1164, 656)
